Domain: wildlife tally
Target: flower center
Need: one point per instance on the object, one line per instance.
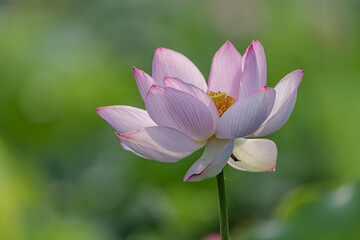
(222, 101)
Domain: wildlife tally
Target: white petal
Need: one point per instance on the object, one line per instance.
(169, 63)
(176, 109)
(125, 118)
(286, 91)
(254, 155)
(210, 164)
(246, 115)
(226, 71)
(159, 143)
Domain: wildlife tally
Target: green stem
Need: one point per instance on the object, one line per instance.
(224, 221)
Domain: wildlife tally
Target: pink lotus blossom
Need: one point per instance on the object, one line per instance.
(212, 237)
(183, 113)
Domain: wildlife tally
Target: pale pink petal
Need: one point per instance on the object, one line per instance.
(253, 155)
(286, 91)
(250, 77)
(214, 158)
(162, 144)
(168, 63)
(246, 115)
(125, 118)
(143, 81)
(194, 91)
(176, 109)
(226, 71)
(261, 62)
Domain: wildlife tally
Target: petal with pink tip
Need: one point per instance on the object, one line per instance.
(247, 114)
(226, 71)
(285, 99)
(194, 91)
(250, 77)
(169, 63)
(213, 160)
(253, 155)
(125, 118)
(261, 62)
(143, 81)
(162, 144)
(170, 107)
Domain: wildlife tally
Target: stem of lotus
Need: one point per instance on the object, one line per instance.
(224, 221)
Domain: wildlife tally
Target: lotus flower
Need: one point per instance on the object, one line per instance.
(183, 113)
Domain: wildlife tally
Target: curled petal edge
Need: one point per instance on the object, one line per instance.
(213, 160)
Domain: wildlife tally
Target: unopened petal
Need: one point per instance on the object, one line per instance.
(125, 118)
(226, 71)
(143, 81)
(169, 63)
(194, 91)
(246, 115)
(254, 155)
(159, 143)
(286, 91)
(250, 77)
(176, 109)
(210, 164)
(261, 62)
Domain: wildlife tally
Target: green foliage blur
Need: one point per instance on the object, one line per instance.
(64, 175)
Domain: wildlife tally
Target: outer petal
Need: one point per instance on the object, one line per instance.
(176, 109)
(261, 62)
(210, 164)
(194, 91)
(246, 115)
(125, 118)
(143, 81)
(253, 155)
(250, 78)
(226, 71)
(286, 91)
(168, 63)
(159, 143)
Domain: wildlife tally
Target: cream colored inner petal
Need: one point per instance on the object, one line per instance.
(253, 155)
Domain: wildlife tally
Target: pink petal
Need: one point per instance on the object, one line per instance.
(254, 155)
(125, 118)
(194, 91)
(261, 62)
(168, 63)
(250, 78)
(214, 158)
(286, 91)
(176, 109)
(226, 71)
(143, 81)
(159, 143)
(246, 115)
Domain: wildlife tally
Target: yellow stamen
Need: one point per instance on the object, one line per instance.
(222, 101)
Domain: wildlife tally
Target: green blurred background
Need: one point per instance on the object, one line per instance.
(64, 175)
